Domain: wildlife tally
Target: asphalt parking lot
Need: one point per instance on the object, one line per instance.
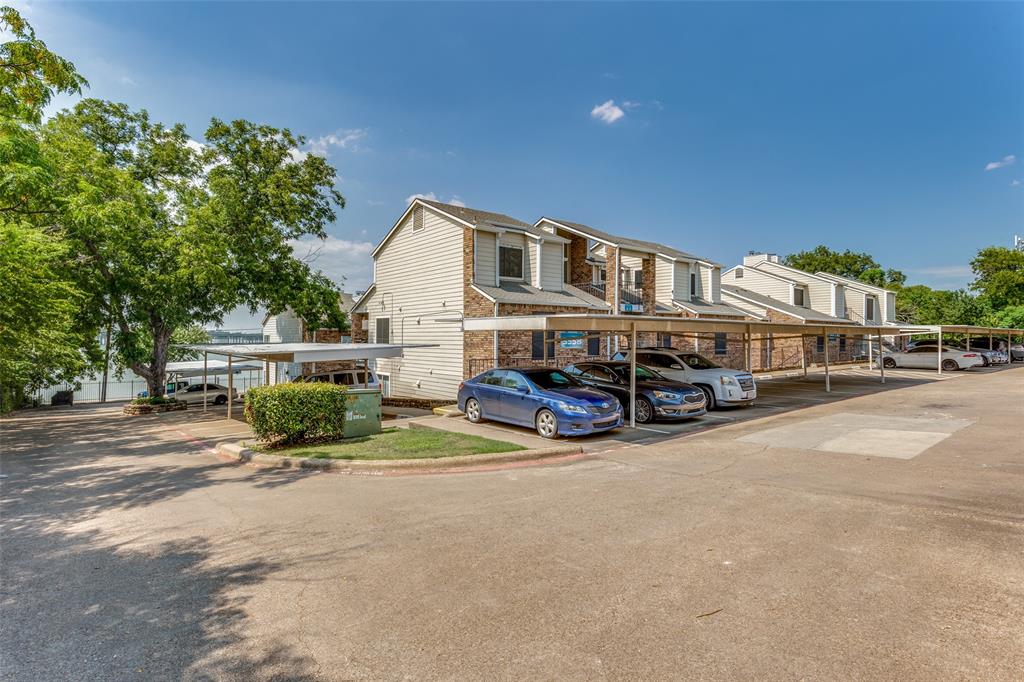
(776, 395)
(762, 548)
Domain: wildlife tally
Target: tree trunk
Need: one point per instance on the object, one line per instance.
(155, 372)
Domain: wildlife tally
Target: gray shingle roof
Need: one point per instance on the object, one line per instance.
(629, 243)
(701, 307)
(808, 314)
(477, 217)
(511, 292)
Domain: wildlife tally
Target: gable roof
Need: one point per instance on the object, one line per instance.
(799, 312)
(475, 216)
(699, 307)
(854, 283)
(788, 268)
(766, 273)
(470, 217)
(624, 242)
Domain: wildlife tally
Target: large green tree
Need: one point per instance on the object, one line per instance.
(44, 337)
(999, 276)
(168, 233)
(851, 264)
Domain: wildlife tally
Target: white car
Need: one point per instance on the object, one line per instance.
(926, 357)
(215, 394)
(721, 386)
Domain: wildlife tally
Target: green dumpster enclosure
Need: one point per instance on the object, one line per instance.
(362, 414)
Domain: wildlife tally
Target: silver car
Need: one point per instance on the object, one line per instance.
(215, 394)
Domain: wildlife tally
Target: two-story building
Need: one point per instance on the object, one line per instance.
(441, 263)
(778, 292)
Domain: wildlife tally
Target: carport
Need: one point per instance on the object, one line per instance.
(968, 331)
(266, 353)
(631, 325)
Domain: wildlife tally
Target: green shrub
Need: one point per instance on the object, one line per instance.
(286, 414)
(153, 400)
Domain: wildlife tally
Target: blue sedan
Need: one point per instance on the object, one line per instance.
(548, 400)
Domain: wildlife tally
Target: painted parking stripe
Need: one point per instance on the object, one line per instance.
(644, 428)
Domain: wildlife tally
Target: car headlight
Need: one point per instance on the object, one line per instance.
(665, 395)
(729, 381)
(569, 407)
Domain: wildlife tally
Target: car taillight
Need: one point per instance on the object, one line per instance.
(461, 384)
(970, 355)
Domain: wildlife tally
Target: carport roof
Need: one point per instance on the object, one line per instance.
(305, 352)
(645, 323)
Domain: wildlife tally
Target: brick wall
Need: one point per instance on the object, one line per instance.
(579, 269)
(359, 334)
(649, 286)
(611, 283)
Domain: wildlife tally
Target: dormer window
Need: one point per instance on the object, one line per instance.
(739, 273)
(510, 262)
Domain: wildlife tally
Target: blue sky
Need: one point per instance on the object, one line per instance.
(715, 128)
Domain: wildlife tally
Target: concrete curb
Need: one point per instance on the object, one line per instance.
(239, 452)
(447, 411)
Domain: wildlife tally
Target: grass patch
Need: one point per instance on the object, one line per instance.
(398, 444)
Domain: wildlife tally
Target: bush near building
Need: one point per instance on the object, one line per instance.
(286, 414)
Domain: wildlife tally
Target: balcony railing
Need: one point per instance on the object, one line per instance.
(478, 365)
(628, 294)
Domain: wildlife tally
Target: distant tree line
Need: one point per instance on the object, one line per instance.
(994, 299)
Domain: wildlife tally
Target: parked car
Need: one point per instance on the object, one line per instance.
(721, 386)
(215, 394)
(1017, 352)
(172, 388)
(980, 345)
(924, 356)
(548, 400)
(656, 396)
(345, 377)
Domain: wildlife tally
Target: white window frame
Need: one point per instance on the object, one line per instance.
(381, 376)
(869, 299)
(803, 297)
(522, 262)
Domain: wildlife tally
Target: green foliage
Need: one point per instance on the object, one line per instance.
(296, 413)
(919, 304)
(1011, 317)
(169, 234)
(999, 276)
(29, 72)
(859, 266)
(154, 400)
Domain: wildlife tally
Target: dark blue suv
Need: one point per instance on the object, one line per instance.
(548, 400)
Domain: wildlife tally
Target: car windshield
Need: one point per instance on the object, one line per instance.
(551, 378)
(642, 373)
(695, 361)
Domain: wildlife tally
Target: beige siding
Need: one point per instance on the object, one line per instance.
(855, 303)
(682, 292)
(663, 292)
(890, 307)
(285, 327)
(419, 282)
(758, 310)
(840, 300)
(760, 283)
(716, 285)
(819, 290)
(552, 269)
(706, 285)
(486, 268)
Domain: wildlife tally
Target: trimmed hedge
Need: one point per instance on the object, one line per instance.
(286, 414)
(153, 400)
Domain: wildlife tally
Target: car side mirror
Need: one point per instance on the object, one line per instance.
(523, 389)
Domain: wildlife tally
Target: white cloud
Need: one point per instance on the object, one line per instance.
(607, 112)
(431, 196)
(127, 80)
(629, 105)
(1014, 183)
(347, 138)
(348, 263)
(1008, 160)
(412, 197)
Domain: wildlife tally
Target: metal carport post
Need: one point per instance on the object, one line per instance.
(938, 349)
(828, 378)
(632, 376)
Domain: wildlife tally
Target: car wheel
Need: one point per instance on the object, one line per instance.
(547, 424)
(220, 400)
(949, 365)
(644, 410)
(709, 397)
(473, 411)
(889, 363)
